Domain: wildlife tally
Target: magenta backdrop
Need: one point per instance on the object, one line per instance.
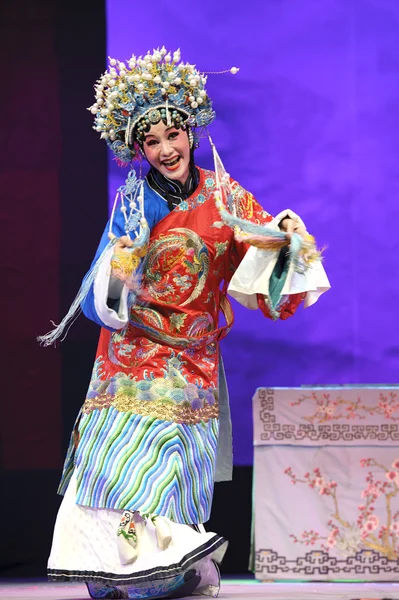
(311, 123)
(30, 163)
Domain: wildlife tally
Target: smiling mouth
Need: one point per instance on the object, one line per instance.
(173, 164)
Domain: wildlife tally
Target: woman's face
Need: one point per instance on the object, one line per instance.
(168, 150)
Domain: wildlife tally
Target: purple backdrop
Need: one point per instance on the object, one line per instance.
(310, 123)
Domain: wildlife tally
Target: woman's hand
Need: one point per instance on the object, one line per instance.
(290, 226)
(122, 243)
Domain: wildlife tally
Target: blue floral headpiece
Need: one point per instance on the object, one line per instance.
(141, 90)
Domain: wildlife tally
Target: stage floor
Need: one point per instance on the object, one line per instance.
(232, 589)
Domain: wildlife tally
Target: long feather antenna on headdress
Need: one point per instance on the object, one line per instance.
(257, 235)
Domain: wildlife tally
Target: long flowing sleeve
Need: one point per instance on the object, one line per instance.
(97, 306)
(107, 301)
(269, 279)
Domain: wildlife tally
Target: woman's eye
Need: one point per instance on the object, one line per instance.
(173, 135)
(151, 143)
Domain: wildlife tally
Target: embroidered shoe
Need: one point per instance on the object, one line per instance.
(108, 592)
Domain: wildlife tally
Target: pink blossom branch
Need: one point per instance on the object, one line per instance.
(325, 408)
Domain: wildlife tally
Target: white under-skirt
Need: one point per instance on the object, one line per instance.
(128, 555)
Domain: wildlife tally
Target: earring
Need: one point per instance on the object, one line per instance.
(190, 138)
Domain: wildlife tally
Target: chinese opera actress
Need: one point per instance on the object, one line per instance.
(154, 432)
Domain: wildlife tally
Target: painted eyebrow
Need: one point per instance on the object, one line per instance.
(152, 135)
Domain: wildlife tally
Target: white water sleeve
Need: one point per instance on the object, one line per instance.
(253, 274)
(104, 288)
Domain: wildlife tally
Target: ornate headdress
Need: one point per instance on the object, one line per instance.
(131, 97)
